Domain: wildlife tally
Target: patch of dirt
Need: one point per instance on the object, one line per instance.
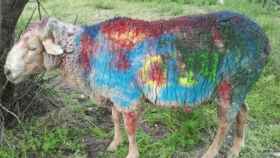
(94, 146)
(101, 116)
(157, 131)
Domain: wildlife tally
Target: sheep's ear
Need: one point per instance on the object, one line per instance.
(52, 48)
(59, 31)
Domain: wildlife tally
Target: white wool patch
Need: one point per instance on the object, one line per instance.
(15, 62)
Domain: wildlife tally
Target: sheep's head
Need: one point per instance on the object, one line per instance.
(30, 54)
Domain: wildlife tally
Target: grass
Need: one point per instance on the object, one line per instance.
(105, 4)
(61, 133)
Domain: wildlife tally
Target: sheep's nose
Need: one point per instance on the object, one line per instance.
(7, 72)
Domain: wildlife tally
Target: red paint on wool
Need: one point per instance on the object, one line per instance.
(122, 63)
(156, 74)
(87, 48)
(131, 122)
(123, 33)
(224, 92)
(216, 35)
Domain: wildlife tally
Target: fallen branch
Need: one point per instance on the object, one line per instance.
(10, 112)
(2, 128)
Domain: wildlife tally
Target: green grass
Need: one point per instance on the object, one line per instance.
(61, 133)
(39, 140)
(105, 4)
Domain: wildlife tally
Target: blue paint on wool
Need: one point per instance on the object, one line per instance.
(92, 31)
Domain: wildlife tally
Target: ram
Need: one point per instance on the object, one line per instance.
(181, 62)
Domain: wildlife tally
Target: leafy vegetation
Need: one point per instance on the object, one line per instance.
(163, 132)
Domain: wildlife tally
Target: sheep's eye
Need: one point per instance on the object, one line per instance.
(32, 49)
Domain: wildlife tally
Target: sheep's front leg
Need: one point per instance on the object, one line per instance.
(117, 132)
(130, 121)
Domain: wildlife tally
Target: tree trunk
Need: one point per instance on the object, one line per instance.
(10, 11)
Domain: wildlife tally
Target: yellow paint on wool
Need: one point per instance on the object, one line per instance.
(144, 72)
(187, 80)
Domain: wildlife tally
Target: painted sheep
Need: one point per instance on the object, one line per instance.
(181, 62)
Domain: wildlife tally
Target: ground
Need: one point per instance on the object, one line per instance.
(78, 128)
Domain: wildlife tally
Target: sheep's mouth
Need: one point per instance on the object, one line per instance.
(16, 79)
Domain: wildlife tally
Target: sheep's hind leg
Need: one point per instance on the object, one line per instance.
(224, 105)
(130, 121)
(117, 132)
(219, 138)
(238, 141)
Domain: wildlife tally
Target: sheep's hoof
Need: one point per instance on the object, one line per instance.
(133, 155)
(113, 146)
(232, 154)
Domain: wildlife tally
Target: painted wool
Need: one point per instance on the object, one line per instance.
(184, 61)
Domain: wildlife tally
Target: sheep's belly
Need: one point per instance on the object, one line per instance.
(180, 93)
